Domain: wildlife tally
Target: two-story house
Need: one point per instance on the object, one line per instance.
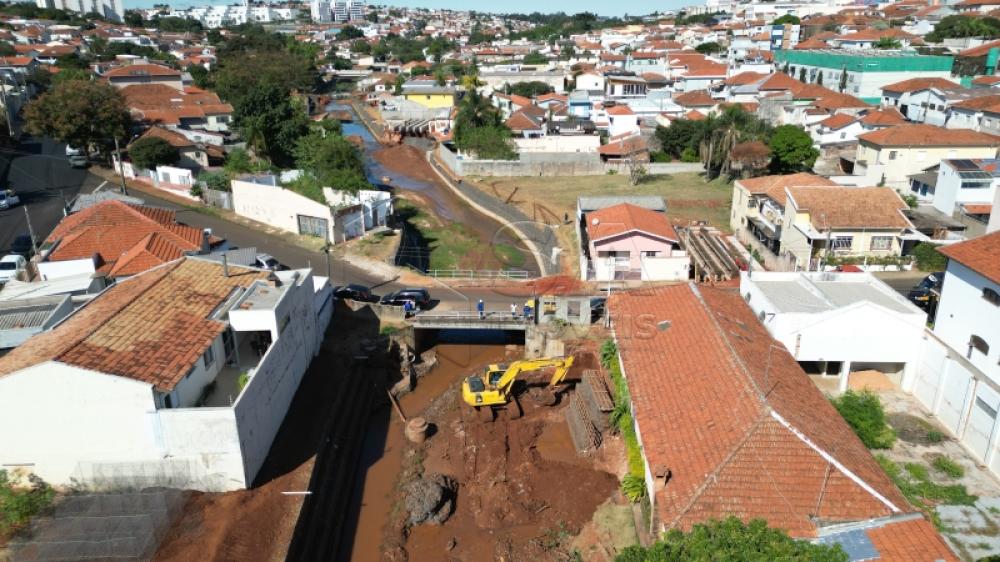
(960, 184)
(959, 375)
(887, 156)
(912, 98)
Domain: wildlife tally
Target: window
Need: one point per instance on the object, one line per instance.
(991, 296)
(892, 154)
(880, 243)
(843, 243)
(209, 356)
(650, 253)
(979, 344)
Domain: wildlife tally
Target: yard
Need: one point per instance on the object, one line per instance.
(550, 199)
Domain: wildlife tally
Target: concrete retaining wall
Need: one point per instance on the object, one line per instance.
(551, 164)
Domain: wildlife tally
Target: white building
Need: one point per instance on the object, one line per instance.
(179, 377)
(958, 378)
(963, 182)
(347, 10)
(837, 322)
(341, 218)
(113, 10)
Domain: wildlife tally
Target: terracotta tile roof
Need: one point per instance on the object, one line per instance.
(522, 121)
(986, 80)
(113, 230)
(910, 541)
(812, 43)
(738, 424)
(16, 61)
(886, 117)
(141, 70)
(774, 186)
(745, 78)
(705, 69)
(928, 135)
(779, 81)
(173, 138)
(653, 77)
(978, 208)
(981, 255)
(873, 34)
(982, 103)
(979, 3)
(624, 218)
(980, 51)
(838, 121)
(696, 98)
(694, 115)
(835, 100)
(917, 84)
(620, 110)
(851, 207)
(151, 328)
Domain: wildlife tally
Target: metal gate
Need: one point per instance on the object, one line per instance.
(313, 226)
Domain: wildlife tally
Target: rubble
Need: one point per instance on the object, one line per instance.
(430, 499)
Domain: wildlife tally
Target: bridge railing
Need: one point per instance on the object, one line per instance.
(463, 317)
(477, 273)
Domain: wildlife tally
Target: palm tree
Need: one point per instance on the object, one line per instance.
(723, 132)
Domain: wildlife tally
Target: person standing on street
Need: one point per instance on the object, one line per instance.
(481, 308)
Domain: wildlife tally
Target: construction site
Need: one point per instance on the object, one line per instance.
(464, 451)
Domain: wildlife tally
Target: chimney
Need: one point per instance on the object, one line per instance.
(225, 266)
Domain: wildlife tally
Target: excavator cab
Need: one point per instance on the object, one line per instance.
(494, 387)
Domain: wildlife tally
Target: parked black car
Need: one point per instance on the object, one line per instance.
(419, 297)
(22, 245)
(355, 292)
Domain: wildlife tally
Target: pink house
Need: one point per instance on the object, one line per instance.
(626, 241)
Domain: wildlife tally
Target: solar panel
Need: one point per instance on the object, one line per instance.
(962, 165)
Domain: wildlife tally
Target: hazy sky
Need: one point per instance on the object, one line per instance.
(603, 7)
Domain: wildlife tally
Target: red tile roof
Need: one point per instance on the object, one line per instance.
(696, 98)
(115, 231)
(917, 84)
(620, 110)
(980, 51)
(981, 255)
(928, 135)
(739, 426)
(141, 70)
(625, 218)
(152, 327)
(838, 121)
(909, 541)
(887, 117)
(851, 207)
(744, 78)
(774, 186)
(978, 208)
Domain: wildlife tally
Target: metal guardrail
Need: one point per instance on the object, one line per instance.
(469, 317)
(477, 274)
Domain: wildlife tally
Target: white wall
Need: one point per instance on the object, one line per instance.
(674, 267)
(559, 143)
(68, 268)
(188, 390)
(963, 312)
(276, 206)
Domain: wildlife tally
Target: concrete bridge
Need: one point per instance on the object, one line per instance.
(462, 320)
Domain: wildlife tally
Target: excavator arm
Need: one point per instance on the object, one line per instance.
(529, 365)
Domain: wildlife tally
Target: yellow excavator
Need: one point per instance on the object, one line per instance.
(494, 388)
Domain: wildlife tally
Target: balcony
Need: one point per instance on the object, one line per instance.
(249, 349)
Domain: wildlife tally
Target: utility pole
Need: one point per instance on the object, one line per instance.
(121, 166)
(31, 232)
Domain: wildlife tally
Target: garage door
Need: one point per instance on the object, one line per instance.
(955, 388)
(982, 421)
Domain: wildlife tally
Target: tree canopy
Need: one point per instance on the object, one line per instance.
(530, 89)
(792, 148)
(327, 159)
(732, 540)
(80, 113)
(786, 19)
(149, 152)
(888, 43)
(965, 26)
(479, 129)
(709, 48)
(535, 57)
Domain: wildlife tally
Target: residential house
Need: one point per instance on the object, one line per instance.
(768, 444)
(912, 98)
(622, 121)
(838, 129)
(867, 38)
(963, 189)
(336, 219)
(112, 240)
(837, 323)
(888, 156)
(526, 124)
(133, 74)
(626, 241)
(979, 114)
(623, 87)
(959, 376)
(193, 156)
(179, 377)
(193, 109)
(972, 7)
(429, 95)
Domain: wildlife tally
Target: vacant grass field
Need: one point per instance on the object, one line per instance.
(689, 197)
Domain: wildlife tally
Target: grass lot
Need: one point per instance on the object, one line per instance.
(549, 199)
(453, 246)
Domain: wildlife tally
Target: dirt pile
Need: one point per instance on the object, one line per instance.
(407, 160)
(512, 501)
(430, 499)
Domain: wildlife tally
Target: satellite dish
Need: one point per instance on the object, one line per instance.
(595, 221)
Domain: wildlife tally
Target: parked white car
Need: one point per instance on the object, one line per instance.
(8, 198)
(11, 266)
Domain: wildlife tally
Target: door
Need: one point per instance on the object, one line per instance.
(982, 422)
(955, 389)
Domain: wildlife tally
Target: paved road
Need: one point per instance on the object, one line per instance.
(40, 174)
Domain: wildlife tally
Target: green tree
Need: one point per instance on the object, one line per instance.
(792, 148)
(965, 26)
(332, 161)
(150, 152)
(40, 78)
(200, 76)
(361, 46)
(530, 89)
(535, 58)
(732, 540)
(340, 63)
(238, 162)
(68, 74)
(218, 181)
(708, 48)
(349, 32)
(270, 122)
(787, 19)
(6, 49)
(242, 73)
(79, 113)
(133, 18)
(177, 25)
(479, 129)
(721, 133)
(681, 134)
(864, 413)
(888, 43)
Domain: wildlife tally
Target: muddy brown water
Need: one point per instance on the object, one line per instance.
(382, 454)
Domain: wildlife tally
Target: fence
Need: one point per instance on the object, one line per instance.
(477, 274)
(116, 526)
(221, 199)
(529, 164)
